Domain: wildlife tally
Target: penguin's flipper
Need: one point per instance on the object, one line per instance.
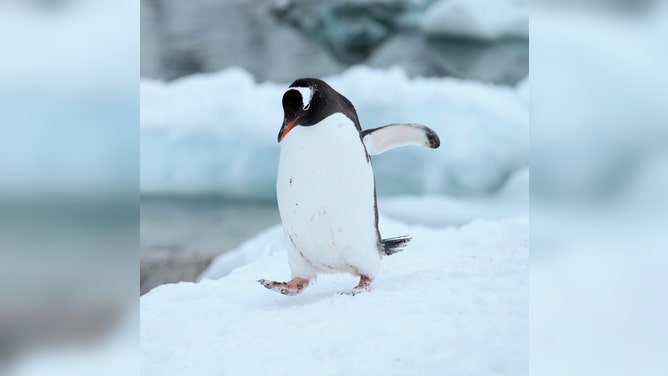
(381, 139)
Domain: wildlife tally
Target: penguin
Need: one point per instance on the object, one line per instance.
(326, 189)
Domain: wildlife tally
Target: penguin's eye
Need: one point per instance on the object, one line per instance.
(308, 105)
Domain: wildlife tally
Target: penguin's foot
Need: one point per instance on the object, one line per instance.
(293, 287)
(363, 286)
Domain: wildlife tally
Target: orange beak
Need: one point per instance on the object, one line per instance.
(286, 128)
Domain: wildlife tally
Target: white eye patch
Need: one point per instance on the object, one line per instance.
(307, 95)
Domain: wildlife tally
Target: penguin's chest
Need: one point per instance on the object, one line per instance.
(325, 192)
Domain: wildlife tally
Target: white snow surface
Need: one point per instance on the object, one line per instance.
(216, 133)
(478, 19)
(454, 302)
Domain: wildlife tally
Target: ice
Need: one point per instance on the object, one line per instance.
(454, 302)
(486, 20)
(440, 210)
(320, 38)
(350, 30)
(216, 133)
(179, 38)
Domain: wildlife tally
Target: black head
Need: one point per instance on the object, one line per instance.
(308, 101)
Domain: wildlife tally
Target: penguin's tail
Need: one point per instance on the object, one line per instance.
(393, 245)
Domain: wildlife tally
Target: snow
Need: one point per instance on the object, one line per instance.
(247, 252)
(454, 302)
(216, 133)
(477, 19)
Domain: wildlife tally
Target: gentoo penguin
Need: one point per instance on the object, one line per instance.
(326, 189)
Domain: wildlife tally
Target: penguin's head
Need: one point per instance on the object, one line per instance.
(308, 101)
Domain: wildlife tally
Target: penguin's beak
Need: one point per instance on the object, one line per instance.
(286, 128)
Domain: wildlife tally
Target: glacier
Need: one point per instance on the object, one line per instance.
(216, 133)
(485, 20)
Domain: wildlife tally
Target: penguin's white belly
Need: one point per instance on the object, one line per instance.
(325, 191)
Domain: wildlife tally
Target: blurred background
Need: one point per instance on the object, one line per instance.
(212, 78)
(74, 171)
(599, 150)
(69, 181)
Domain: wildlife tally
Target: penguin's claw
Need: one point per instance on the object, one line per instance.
(363, 286)
(294, 287)
(265, 283)
(355, 291)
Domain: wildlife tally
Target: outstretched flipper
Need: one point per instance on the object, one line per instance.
(382, 139)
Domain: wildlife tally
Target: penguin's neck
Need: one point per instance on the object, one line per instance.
(327, 156)
(331, 140)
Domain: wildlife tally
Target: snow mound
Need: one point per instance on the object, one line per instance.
(454, 302)
(216, 133)
(247, 252)
(486, 20)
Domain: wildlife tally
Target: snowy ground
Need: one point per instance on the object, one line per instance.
(454, 302)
